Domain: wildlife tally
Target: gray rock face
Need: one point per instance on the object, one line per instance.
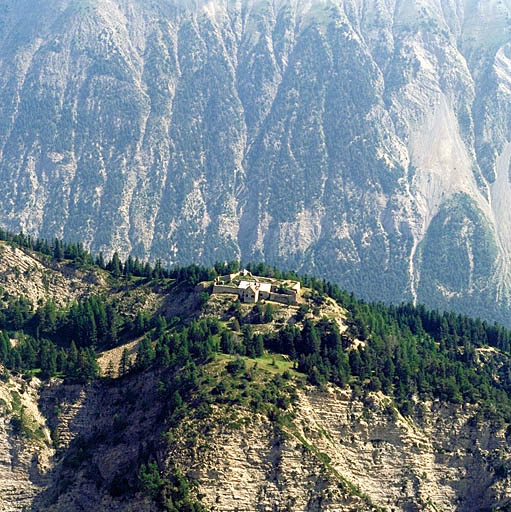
(367, 141)
(342, 454)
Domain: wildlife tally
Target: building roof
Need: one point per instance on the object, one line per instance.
(262, 287)
(265, 287)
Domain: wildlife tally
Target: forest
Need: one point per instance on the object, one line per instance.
(408, 352)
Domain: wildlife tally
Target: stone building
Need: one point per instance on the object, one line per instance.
(253, 289)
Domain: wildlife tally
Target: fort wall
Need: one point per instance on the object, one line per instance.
(220, 288)
(283, 298)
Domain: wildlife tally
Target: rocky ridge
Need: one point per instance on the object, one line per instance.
(38, 279)
(26, 449)
(69, 447)
(442, 459)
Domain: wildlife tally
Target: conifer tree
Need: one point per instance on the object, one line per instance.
(115, 265)
(109, 372)
(124, 363)
(5, 348)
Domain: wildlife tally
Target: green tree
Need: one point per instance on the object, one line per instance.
(115, 265)
(268, 313)
(124, 363)
(150, 480)
(145, 355)
(110, 372)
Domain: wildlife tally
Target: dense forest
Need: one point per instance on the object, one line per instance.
(406, 351)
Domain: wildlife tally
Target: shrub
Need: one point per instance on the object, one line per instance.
(237, 366)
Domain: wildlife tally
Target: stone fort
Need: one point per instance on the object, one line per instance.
(251, 289)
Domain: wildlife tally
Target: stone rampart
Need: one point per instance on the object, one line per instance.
(221, 288)
(283, 299)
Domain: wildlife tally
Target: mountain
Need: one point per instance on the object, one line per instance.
(149, 390)
(360, 140)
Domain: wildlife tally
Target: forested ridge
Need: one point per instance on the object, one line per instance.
(253, 356)
(408, 352)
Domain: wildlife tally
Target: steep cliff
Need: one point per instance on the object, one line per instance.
(353, 454)
(365, 141)
(38, 278)
(333, 452)
(26, 449)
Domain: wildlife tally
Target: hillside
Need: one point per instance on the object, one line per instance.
(364, 142)
(151, 393)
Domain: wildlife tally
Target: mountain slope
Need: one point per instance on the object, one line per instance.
(325, 404)
(359, 453)
(339, 138)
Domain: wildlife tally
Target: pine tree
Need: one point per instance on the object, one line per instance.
(140, 323)
(72, 360)
(259, 345)
(227, 342)
(100, 319)
(161, 326)
(124, 363)
(129, 267)
(5, 348)
(62, 364)
(175, 400)
(58, 250)
(145, 354)
(268, 313)
(112, 325)
(163, 356)
(115, 265)
(100, 260)
(48, 359)
(109, 373)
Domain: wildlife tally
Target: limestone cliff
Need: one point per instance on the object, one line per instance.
(38, 278)
(338, 453)
(26, 449)
(343, 454)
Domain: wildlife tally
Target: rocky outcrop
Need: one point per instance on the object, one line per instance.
(335, 452)
(29, 275)
(254, 466)
(362, 141)
(442, 458)
(26, 449)
(342, 453)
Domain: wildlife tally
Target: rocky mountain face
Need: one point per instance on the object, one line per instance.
(36, 278)
(24, 460)
(355, 454)
(367, 141)
(340, 454)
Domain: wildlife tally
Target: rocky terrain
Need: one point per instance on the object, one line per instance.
(444, 459)
(25, 457)
(340, 453)
(363, 140)
(244, 433)
(26, 274)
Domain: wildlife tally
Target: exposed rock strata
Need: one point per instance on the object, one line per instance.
(30, 275)
(339, 453)
(25, 461)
